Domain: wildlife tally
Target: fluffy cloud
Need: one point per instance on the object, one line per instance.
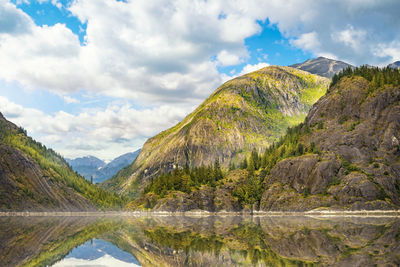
(307, 41)
(352, 31)
(225, 58)
(163, 53)
(246, 69)
(351, 37)
(152, 51)
(250, 68)
(104, 133)
(158, 51)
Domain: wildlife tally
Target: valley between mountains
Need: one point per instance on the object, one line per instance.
(319, 135)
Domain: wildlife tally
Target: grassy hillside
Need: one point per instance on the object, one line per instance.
(251, 111)
(34, 177)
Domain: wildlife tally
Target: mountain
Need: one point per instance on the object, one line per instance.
(248, 112)
(322, 66)
(346, 155)
(86, 166)
(394, 65)
(114, 166)
(90, 166)
(353, 133)
(35, 178)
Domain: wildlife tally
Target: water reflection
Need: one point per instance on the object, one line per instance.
(194, 241)
(98, 252)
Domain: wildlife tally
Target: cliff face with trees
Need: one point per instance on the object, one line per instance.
(35, 178)
(346, 155)
(246, 113)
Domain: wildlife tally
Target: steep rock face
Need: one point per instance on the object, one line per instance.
(357, 135)
(247, 112)
(322, 66)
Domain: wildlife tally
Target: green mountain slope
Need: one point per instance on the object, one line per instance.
(250, 111)
(346, 155)
(33, 177)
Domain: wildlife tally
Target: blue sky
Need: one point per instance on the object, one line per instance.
(100, 77)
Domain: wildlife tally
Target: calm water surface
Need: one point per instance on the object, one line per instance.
(199, 241)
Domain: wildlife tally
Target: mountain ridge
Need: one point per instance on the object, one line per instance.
(322, 66)
(94, 168)
(249, 111)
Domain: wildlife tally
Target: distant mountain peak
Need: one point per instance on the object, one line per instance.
(395, 65)
(92, 167)
(322, 66)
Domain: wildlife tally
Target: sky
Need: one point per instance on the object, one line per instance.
(99, 77)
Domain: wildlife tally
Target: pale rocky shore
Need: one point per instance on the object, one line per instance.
(368, 213)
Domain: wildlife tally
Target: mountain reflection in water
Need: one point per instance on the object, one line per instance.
(199, 241)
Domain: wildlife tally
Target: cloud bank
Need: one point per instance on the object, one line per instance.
(165, 55)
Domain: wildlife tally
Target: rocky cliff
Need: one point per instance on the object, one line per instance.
(356, 132)
(248, 112)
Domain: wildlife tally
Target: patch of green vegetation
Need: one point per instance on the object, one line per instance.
(185, 180)
(349, 167)
(376, 76)
(311, 94)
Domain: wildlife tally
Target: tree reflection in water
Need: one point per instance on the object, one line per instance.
(207, 241)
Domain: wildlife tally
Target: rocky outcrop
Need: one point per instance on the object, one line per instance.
(248, 112)
(357, 165)
(322, 66)
(206, 199)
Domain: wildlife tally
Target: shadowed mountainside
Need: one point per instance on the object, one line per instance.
(33, 177)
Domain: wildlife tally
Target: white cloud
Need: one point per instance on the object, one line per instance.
(162, 51)
(225, 58)
(70, 100)
(246, 69)
(391, 50)
(250, 68)
(152, 51)
(164, 54)
(306, 41)
(106, 133)
(350, 37)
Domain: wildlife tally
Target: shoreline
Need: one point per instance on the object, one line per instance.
(312, 213)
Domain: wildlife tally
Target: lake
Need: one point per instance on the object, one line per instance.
(199, 241)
